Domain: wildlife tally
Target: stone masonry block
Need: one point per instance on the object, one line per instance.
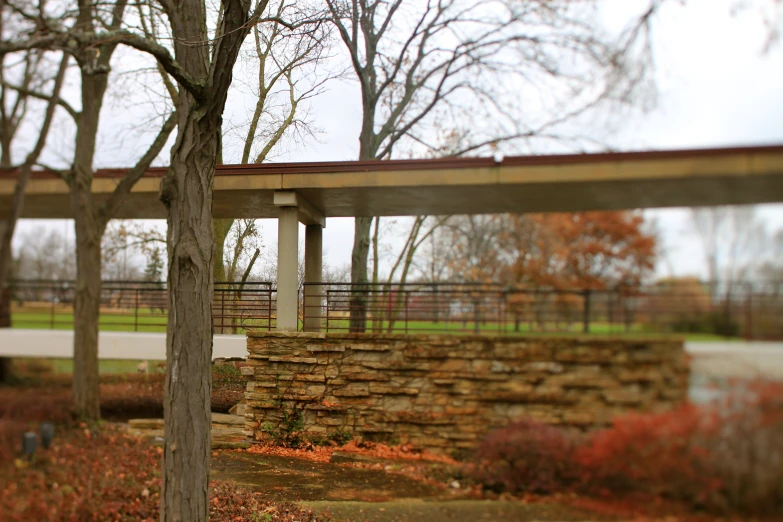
(294, 360)
(446, 391)
(393, 390)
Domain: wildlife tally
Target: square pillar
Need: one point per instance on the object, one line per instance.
(287, 269)
(313, 274)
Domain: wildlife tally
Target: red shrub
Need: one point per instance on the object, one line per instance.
(722, 457)
(650, 452)
(745, 443)
(526, 456)
(727, 456)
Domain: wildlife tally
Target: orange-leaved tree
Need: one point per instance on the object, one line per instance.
(588, 250)
(570, 254)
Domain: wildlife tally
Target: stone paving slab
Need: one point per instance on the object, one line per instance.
(226, 431)
(449, 511)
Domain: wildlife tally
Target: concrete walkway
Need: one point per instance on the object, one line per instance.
(20, 342)
(743, 360)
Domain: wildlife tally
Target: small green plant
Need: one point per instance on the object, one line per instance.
(341, 437)
(227, 374)
(289, 432)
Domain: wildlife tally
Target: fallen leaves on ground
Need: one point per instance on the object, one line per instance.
(397, 452)
(107, 475)
(367, 449)
(314, 453)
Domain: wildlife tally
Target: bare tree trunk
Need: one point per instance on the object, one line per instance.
(5, 151)
(359, 256)
(86, 314)
(187, 193)
(5, 296)
(6, 367)
(8, 223)
(220, 229)
(89, 231)
(377, 317)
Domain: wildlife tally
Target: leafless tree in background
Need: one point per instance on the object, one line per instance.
(44, 254)
(447, 60)
(15, 100)
(771, 13)
(16, 94)
(284, 71)
(772, 270)
(422, 228)
(733, 239)
(80, 31)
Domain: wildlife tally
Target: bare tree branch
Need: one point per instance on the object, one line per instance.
(17, 202)
(133, 175)
(23, 91)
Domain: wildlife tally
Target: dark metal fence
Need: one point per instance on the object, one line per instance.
(737, 310)
(139, 306)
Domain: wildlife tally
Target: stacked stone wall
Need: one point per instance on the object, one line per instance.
(443, 392)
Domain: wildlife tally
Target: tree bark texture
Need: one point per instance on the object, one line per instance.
(86, 314)
(220, 229)
(361, 229)
(5, 293)
(359, 257)
(6, 368)
(89, 228)
(187, 192)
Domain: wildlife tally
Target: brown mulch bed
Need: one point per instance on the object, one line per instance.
(107, 475)
(123, 396)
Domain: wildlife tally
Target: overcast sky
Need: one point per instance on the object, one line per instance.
(716, 88)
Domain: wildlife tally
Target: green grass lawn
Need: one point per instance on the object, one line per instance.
(146, 320)
(458, 327)
(153, 321)
(105, 366)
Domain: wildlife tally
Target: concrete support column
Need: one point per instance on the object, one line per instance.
(287, 269)
(313, 274)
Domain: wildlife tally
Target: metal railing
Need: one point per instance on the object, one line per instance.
(139, 306)
(738, 310)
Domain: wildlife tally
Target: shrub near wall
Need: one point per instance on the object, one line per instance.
(724, 457)
(443, 392)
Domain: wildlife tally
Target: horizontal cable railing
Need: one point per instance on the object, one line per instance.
(139, 306)
(751, 311)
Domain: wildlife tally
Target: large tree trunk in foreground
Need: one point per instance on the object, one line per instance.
(359, 256)
(86, 315)
(187, 193)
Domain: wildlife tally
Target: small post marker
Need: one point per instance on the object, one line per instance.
(29, 443)
(47, 434)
